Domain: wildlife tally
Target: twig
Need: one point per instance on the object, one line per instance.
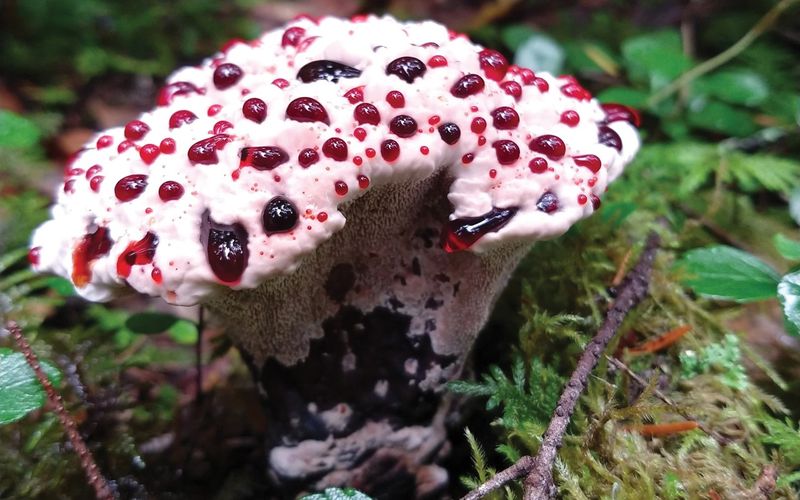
(765, 484)
(539, 469)
(663, 397)
(763, 24)
(101, 487)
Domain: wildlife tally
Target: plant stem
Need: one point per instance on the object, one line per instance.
(101, 487)
(763, 24)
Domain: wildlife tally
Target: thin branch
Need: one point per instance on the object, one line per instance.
(539, 469)
(764, 24)
(101, 487)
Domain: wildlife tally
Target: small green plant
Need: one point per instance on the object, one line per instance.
(723, 358)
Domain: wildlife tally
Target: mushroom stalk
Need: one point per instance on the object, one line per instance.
(352, 351)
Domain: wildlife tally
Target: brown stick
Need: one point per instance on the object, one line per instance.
(539, 469)
(101, 488)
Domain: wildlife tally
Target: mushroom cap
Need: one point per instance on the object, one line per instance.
(243, 167)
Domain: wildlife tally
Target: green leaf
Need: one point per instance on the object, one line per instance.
(624, 95)
(150, 322)
(183, 332)
(338, 494)
(17, 132)
(656, 58)
(723, 272)
(789, 297)
(720, 117)
(20, 391)
(788, 248)
(515, 35)
(738, 86)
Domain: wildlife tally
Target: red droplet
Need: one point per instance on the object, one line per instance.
(204, 151)
(281, 83)
(481, 140)
(366, 113)
(363, 181)
(355, 95)
(33, 256)
(505, 118)
(155, 274)
(582, 199)
(226, 250)
(137, 254)
(124, 146)
(493, 64)
(136, 129)
(390, 150)
(369, 152)
(170, 191)
(592, 162)
(148, 153)
(437, 61)
(255, 109)
(227, 75)
(396, 99)
(467, 85)
(608, 136)
(507, 151)
(167, 146)
(467, 158)
(513, 89)
(104, 141)
(181, 117)
(595, 201)
(214, 109)
(424, 150)
(461, 234)
(90, 248)
(69, 186)
(94, 183)
(322, 216)
(492, 173)
(541, 84)
(262, 157)
(307, 157)
(528, 76)
(403, 126)
(548, 203)
(549, 145)
(340, 187)
(360, 134)
(292, 36)
(306, 109)
(221, 126)
(574, 90)
(570, 118)
(433, 120)
(93, 170)
(357, 160)
(174, 89)
(130, 187)
(538, 165)
(620, 112)
(335, 148)
(478, 125)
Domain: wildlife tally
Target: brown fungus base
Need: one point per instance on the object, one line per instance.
(351, 352)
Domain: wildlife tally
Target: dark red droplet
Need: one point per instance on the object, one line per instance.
(69, 186)
(322, 216)
(33, 256)
(582, 199)
(437, 61)
(507, 151)
(363, 181)
(505, 118)
(170, 191)
(538, 165)
(595, 201)
(366, 113)
(335, 148)
(226, 249)
(513, 89)
(181, 117)
(493, 63)
(360, 134)
(592, 162)
(262, 157)
(156, 276)
(104, 141)
(449, 132)
(307, 109)
(90, 248)
(93, 170)
(255, 109)
(478, 125)
(403, 126)
(548, 203)
(130, 187)
(292, 36)
(541, 84)
(467, 85)
(396, 99)
(570, 118)
(620, 112)
(340, 187)
(279, 215)
(461, 234)
(221, 126)
(137, 254)
(167, 146)
(322, 69)
(174, 89)
(124, 146)
(390, 150)
(148, 153)
(467, 158)
(355, 94)
(608, 136)
(406, 68)
(205, 151)
(574, 90)
(549, 145)
(227, 75)
(136, 129)
(94, 183)
(307, 157)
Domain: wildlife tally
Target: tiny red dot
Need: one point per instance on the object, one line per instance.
(214, 109)
(492, 173)
(424, 150)
(357, 160)
(369, 152)
(582, 199)
(433, 120)
(363, 181)
(167, 146)
(360, 134)
(322, 216)
(280, 83)
(481, 140)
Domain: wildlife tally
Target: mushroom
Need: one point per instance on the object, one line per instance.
(348, 197)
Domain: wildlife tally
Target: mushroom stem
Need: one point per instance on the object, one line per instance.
(352, 350)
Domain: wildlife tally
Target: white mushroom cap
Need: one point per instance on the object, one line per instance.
(206, 226)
